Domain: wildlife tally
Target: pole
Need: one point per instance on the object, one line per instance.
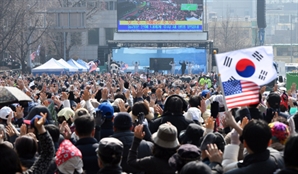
(291, 40)
(29, 64)
(205, 18)
(64, 45)
(221, 86)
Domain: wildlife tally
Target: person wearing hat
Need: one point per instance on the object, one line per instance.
(193, 112)
(280, 134)
(30, 124)
(87, 144)
(66, 114)
(192, 135)
(123, 132)
(4, 114)
(184, 154)
(68, 159)
(165, 145)
(109, 154)
(196, 167)
(106, 111)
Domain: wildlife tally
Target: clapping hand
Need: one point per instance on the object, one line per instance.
(138, 132)
(214, 154)
(39, 123)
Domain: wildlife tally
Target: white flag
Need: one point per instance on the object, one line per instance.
(252, 64)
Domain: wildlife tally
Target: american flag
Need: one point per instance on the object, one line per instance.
(240, 93)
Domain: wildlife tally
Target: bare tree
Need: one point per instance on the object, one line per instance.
(70, 39)
(228, 34)
(22, 29)
(11, 15)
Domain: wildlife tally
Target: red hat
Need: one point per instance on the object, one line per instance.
(66, 151)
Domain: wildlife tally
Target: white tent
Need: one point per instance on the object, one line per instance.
(77, 65)
(83, 63)
(68, 66)
(50, 67)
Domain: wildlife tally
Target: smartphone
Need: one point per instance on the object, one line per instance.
(141, 118)
(214, 109)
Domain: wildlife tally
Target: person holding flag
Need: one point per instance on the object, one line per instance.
(242, 72)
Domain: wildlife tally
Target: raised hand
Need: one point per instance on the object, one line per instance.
(210, 123)
(138, 132)
(235, 137)
(39, 123)
(64, 96)
(158, 109)
(203, 106)
(8, 121)
(214, 154)
(244, 122)
(86, 95)
(19, 112)
(229, 119)
(23, 130)
(122, 107)
(10, 130)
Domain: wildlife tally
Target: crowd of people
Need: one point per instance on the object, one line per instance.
(162, 11)
(130, 123)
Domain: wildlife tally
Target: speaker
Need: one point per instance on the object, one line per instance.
(261, 13)
(102, 54)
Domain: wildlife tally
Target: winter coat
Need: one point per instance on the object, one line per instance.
(47, 153)
(266, 162)
(110, 170)
(149, 164)
(144, 149)
(87, 146)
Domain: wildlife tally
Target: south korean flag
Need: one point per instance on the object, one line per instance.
(252, 64)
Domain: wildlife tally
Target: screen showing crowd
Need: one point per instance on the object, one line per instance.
(160, 15)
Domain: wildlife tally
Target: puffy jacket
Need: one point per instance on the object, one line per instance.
(266, 162)
(87, 146)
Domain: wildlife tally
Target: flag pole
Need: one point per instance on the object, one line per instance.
(220, 83)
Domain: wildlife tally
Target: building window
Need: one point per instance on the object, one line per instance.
(111, 5)
(93, 36)
(110, 33)
(284, 19)
(76, 38)
(282, 51)
(91, 4)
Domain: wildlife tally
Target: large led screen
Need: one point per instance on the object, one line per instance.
(160, 15)
(127, 57)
